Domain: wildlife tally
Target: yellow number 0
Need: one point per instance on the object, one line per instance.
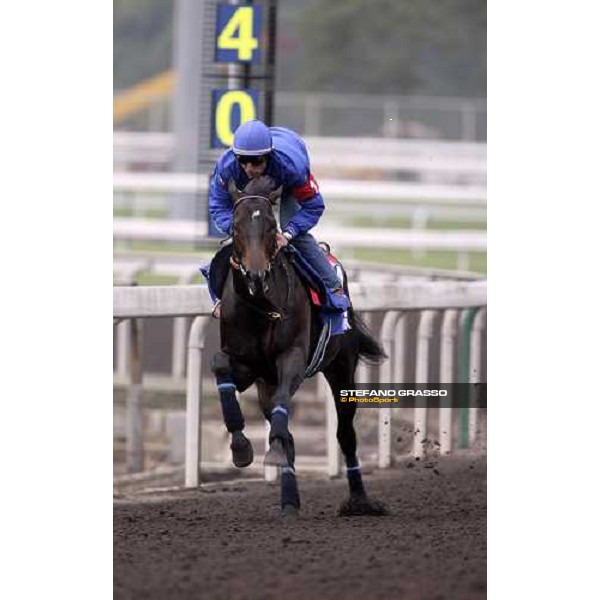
(245, 42)
(223, 113)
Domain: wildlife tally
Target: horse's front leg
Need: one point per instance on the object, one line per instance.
(290, 496)
(241, 447)
(291, 367)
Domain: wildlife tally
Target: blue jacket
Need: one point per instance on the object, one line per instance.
(288, 166)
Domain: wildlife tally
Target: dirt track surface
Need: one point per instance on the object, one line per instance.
(227, 541)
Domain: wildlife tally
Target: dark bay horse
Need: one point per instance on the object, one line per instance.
(269, 329)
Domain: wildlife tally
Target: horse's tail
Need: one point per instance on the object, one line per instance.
(370, 350)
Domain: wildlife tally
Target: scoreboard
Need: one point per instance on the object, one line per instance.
(227, 74)
(240, 39)
(238, 33)
(225, 65)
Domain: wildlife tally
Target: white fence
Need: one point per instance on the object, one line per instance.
(395, 299)
(374, 178)
(346, 201)
(355, 237)
(462, 242)
(373, 191)
(457, 163)
(128, 265)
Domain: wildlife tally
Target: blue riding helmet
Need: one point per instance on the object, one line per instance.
(252, 138)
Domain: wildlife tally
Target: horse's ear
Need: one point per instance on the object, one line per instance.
(233, 191)
(275, 194)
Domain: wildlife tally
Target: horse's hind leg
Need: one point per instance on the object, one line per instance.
(340, 375)
(338, 379)
(241, 447)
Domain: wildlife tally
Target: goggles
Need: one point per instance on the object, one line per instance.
(252, 160)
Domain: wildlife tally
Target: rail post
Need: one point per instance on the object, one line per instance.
(363, 370)
(463, 370)
(385, 376)
(180, 325)
(193, 430)
(124, 347)
(333, 450)
(178, 357)
(399, 347)
(448, 343)
(475, 368)
(424, 335)
(134, 410)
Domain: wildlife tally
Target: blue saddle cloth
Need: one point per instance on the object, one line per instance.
(334, 306)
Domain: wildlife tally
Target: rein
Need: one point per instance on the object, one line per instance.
(240, 200)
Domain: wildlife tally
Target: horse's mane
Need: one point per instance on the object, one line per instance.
(262, 186)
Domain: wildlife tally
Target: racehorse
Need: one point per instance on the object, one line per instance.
(269, 329)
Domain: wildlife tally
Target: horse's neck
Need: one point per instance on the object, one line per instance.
(286, 281)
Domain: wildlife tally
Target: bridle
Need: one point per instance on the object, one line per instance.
(236, 261)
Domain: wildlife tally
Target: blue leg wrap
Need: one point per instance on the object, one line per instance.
(354, 477)
(289, 487)
(232, 413)
(279, 422)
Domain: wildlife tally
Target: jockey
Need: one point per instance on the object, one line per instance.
(280, 153)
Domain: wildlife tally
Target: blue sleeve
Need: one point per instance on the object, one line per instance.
(220, 204)
(308, 216)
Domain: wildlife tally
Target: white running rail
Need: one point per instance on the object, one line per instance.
(392, 298)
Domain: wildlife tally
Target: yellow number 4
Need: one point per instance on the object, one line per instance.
(244, 42)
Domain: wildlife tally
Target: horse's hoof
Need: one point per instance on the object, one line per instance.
(241, 450)
(357, 506)
(276, 455)
(289, 510)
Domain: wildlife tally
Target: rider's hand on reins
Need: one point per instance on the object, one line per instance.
(281, 241)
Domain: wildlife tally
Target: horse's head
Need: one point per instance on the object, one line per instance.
(255, 231)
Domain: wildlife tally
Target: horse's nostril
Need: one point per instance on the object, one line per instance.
(257, 281)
